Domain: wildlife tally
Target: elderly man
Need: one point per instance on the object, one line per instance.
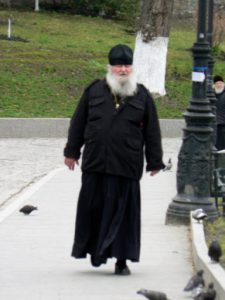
(115, 120)
(219, 88)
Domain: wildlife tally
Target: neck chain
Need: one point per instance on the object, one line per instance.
(118, 100)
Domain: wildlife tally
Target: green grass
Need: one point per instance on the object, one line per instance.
(46, 76)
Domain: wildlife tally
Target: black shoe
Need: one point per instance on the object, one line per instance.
(122, 270)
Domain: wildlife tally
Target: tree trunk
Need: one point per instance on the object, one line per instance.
(152, 43)
(36, 5)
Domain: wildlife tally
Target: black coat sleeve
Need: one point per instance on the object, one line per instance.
(76, 129)
(152, 136)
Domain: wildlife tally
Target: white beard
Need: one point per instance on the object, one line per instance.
(219, 90)
(121, 85)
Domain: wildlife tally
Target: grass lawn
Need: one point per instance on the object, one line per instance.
(45, 76)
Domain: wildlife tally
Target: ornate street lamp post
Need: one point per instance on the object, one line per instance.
(193, 173)
(210, 92)
(210, 21)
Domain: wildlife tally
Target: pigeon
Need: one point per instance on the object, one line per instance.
(27, 209)
(199, 214)
(210, 294)
(215, 251)
(197, 293)
(168, 166)
(152, 295)
(195, 283)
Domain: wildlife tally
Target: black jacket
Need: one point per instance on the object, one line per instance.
(220, 108)
(114, 139)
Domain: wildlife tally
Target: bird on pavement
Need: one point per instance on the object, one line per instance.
(210, 294)
(199, 214)
(197, 294)
(152, 295)
(195, 283)
(168, 166)
(215, 251)
(27, 209)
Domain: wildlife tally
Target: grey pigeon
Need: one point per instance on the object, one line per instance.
(152, 295)
(195, 283)
(27, 209)
(197, 293)
(210, 294)
(168, 166)
(215, 251)
(199, 214)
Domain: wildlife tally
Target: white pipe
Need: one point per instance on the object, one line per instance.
(9, 28)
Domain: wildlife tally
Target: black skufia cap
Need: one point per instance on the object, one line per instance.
(120, 55)
(217, 78)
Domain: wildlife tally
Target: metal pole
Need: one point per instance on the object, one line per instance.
(201, 32)
(210, 92)
(210, 22)
(194, 169)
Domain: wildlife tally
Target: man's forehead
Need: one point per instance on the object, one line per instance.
(120, 66)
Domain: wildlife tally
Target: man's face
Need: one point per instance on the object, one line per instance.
(219, 85)
(122, 72)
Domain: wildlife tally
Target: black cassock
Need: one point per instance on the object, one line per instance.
(108, 218)
(115, 140)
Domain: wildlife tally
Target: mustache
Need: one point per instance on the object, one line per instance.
(123, 74)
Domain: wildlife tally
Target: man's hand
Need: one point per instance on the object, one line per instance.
(154, 172)
(70, 163)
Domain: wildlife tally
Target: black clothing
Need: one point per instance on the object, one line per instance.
(220, 108)
(120, 55)
(220, 121)
(108, 218)
(108, 210)
(114, 138)
(217, 78)
(220, 137)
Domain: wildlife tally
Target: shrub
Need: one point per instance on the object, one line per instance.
(125, 9)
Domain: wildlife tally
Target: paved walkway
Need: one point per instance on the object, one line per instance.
(35, 249)
(25, 161)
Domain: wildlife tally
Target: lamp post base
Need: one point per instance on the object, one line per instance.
(179, 209)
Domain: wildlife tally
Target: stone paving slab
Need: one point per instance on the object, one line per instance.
(35, 249)
(24, 161)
